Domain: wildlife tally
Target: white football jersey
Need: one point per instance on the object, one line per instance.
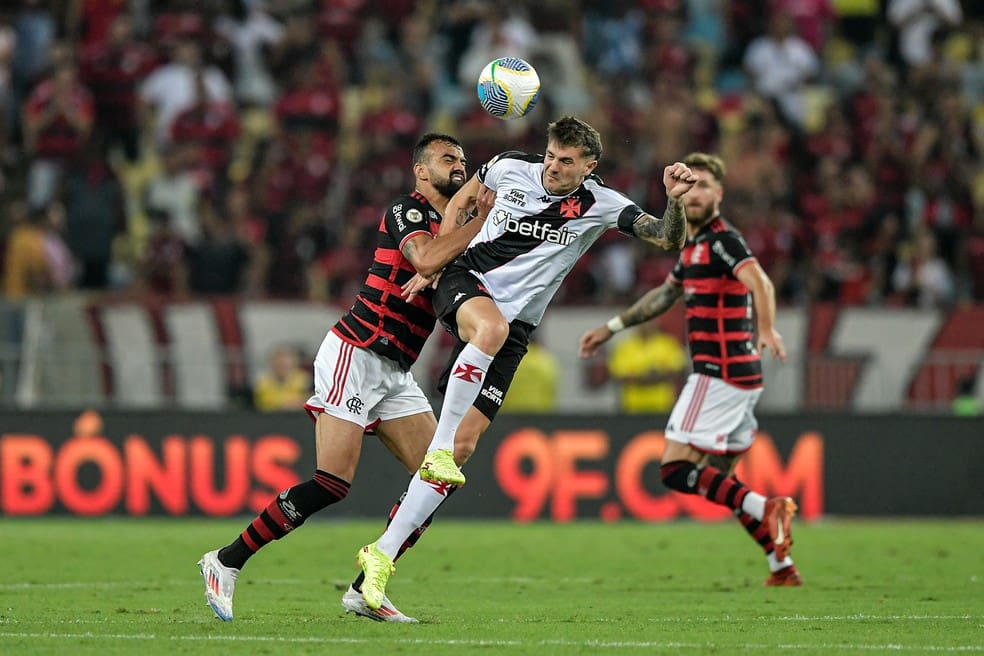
(532, 239)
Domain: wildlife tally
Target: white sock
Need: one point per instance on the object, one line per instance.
(421, 500)
(776, 565)
(464, 384)
(754, 505)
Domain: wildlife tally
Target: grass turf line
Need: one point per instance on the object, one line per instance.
(116, 586)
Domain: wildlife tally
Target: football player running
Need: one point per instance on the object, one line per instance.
(361, 371)
(713, 422)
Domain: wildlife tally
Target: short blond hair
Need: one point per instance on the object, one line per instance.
(707, 162)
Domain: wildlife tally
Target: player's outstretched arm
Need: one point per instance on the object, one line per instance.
(669, 232)
(429, 256)
(764, 299)
(652, 304)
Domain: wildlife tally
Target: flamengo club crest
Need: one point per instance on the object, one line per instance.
(355, 404)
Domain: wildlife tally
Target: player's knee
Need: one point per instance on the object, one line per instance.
(723, 462)
(304, 499)
(680, 475)
(490, 334)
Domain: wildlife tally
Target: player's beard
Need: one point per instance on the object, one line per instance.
(448, 187)
(699, 215)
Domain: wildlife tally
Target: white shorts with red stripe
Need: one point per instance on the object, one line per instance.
(357, 385)
(713, 416)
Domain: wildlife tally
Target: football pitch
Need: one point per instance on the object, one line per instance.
(115, 586)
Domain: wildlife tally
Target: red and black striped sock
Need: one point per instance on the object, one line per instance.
(714, 485)
(410, 541)
(285, 513)
(709, 482)
(757, 530)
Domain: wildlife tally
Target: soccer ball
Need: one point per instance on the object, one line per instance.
(508, 87)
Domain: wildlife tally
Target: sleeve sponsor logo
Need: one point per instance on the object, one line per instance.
(516, 197)
(398, 215)
(718, 248)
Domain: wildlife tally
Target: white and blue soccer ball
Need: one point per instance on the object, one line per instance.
(508, 87)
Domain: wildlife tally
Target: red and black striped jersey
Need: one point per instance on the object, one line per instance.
(719, 306)
(381, 319)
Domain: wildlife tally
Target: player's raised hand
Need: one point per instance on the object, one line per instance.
(484, 201)
(678, 179)
(418, 283)
(772, 341)
(591, 340)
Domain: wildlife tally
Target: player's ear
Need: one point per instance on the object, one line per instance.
(592, 165)
(420, 171)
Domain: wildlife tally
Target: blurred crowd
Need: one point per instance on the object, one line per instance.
(249, 147)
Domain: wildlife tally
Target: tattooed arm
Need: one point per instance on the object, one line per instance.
(670, 231)
(652, 304)
(466, 204)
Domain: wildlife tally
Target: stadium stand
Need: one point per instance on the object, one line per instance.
(271, 132)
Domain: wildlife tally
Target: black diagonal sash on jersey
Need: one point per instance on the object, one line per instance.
(549, 225)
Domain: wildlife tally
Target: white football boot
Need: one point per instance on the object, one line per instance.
(353, 602)
(220, 584)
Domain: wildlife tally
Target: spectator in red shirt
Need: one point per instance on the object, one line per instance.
(814, 19)
(163, 268)
(58, 118)
(309, 105)
(209, 128)
(112, 70)
(392, 119)
(170, 89)
(92, 20)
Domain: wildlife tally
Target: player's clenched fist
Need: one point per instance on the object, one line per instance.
(678, 179)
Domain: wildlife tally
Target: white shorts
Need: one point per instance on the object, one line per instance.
(713, 416)
(357, 385)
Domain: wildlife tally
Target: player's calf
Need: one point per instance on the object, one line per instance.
(680, 475)
(712, 484)
(287, 511)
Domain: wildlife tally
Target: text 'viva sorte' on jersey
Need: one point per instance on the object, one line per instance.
(381, 319)
(531, 239)
(719, 306)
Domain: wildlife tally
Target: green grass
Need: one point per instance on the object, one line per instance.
(132, 587)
